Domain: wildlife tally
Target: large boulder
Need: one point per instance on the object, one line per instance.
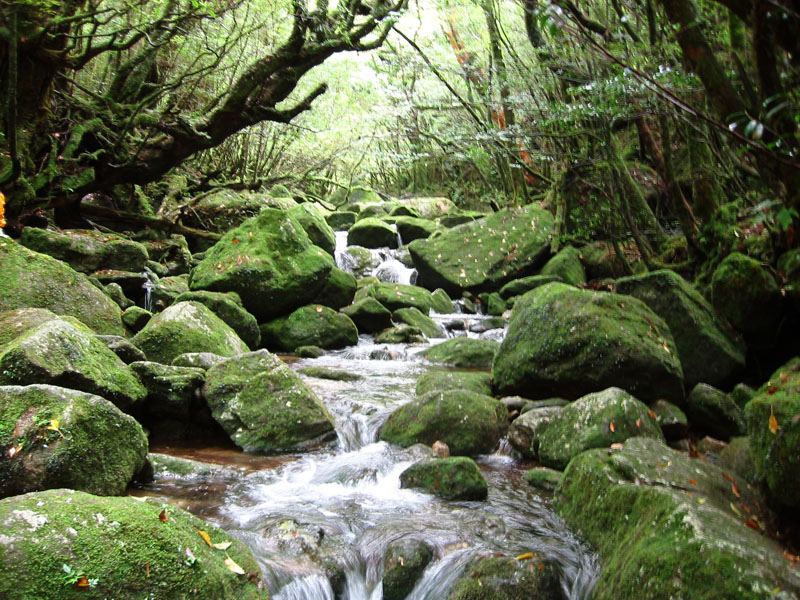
(372, 233)
(403, 563)
(224, 209)
(452, 478)
(313, 221)
(525, 431)
(230, 309)
(414, 317)
(369, 315)
(497, 577)
(567, 342)
(714, 412)
(485, 254)
(463, 352)
(412, 228)
(187, 327)
(87, 251)
(74, 545)
(13, 323)
(32, 280)
(668, 526)
(775, 433)
(264, 406)
(439, 381)
(467, 422)
(269, 261)
(595, 421)
(313, 325)
(398, 295)
(54, 437)
(339, 290)
(566, 266)
(67, 354)
(171, 391)
(709, 352)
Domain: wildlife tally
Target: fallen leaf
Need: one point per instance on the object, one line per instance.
(639, 423)
(147, 570)
(82, 582)
(735, 490)
(772, 390)
(701, 500)
(728, 477)
(752, 524)
(734, 509)
(789, 556)
(693, 481)
(525, 556)
(162, 516)
(222, 545)
(319, 309)
(232, 566)
(652, 414)
(235, 241)
(204, 535)
(773, 422)
(12, 452)
(611, 427)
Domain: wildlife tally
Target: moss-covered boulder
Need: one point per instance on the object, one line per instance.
(746, 293)
(566, 266)
(402, 334)
(200, 360)
(87, 251)
(135, 318)
(403, 563)
(369, 315)
(32, 280)
(467, 422)
(525, 431)
(330, 373)
(269, 261)
(172, 392)
(372, 233)
(567, 342)
(714, 412)
(359, 261)
(339, 290)
(774, 433)
(54, 437)
(459, 217)
(463, 352)
(123, 348)
(439, 381)
(187, 327)
(75, 545)
(672, 420)
(224, 209)
(13, 323)
(430, 207)
(172, 252)
(67, 354)
(483, 255)
(412, 228)
(708, 350)
(264, 406)
(452, 478)
(398, 295)
(441, 302)
(543, 478)
(517, 287)
(167, 289)
(341, 220)
(414, 317)
(313, 221)
(507, 578)
(601, 261)
(228, 307)
(313, 325)
(114, 291)
(668, 526)
(594, 421)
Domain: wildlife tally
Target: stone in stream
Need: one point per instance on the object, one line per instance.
(414, 317)
(121, 546)
(269, 261)
(187, 327)
(469, 423)
(372, 233)
(543, 478)
(32, 280)
(264, 406)
(463, 352)
(441, 302)
(452, 478)
(369, 315)
(439, 381)
(527, 577)
(402, 334)
(330, 373)
(229, 308)
(525, 431)
(313, 325)
(54, 437)
(563, 341)
(403, 563)
(339, 290)
(669, 526)
(412, 228)
(397, 295)
(313, 221)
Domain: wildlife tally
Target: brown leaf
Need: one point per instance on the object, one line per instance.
(82, 582)
(204, 535)
(525, 556)
(735, 490)
(162, 516)
(652, 414)
(728, 477)
(751, 523)
(611, 427)
(772, 390)
(773, 422)
(693, 481)
(222, 545)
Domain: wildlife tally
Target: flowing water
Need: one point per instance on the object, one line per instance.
(319, 523)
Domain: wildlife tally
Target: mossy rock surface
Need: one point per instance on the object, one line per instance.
(398, 295)
(543, 478)
(567, 342)
(507, 578)
(225, 209)
(313, 325)
(135, 318)
(187, 327)
(339, 290)
(517, 287)
(713, 411)
(228, 307)
(403, 563)
(566, 265)
(467, 422)
(341, 220)
(200, 360)
(13, 323)
(456, 218)
(439, 381)
(121, 546)
(167, 289)
(452, 478)
(371, 232)
(483, 255)
(737, 458)
(65, 438)
(402, 334)
(359, 261)
(171, 391)
(369, 315)
(87, 251)
(67, 354)
(264, 406)
(746, 293)
(32, 280)
(412, 228)
(600, 261)
(594, 421)
(313, 221)
(269, 261)
(775, 443)
(672, 420)
(708, 350)
(172, 252)
(122, 347)
(525, 431)
(414, 317)
(114, 291)
(652, 513)
(441, 302)
(463, 352)
(330, 373)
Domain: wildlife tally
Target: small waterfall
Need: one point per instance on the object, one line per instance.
(148, 287)
(311, 586)
(392, 270)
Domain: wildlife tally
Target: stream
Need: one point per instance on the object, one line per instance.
(319, 523)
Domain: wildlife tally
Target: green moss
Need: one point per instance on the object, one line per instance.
(397, 295)
(713, 411)
(414, 317)
(517, 287)
(315, 225)
(14, 323)
(403, 563)
(543, 478)
(463, 352)
(412, 228)
(339, 290)
(402, 334)
(441, 302)
(507, 578)
(439, 381)
(369, 315)
(372, 233)
(313, 325)
(119, 542)
(229, 308)
(453, 478)
(330, 373)
(566, 265)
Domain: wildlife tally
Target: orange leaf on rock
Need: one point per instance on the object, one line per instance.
(611, 427)
(693, 481)
(773, 423)
(204, 535)
(639, 423)
(735, 490)
(652, 414)
(752, 524)
(728, 477)
(82, 582)
(162, 516)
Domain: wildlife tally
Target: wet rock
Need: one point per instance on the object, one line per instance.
(467, 422)
(402, 334)
(135, 318)
(338, 291)
(453, 478)
(412, 228)
(172, 392)
(403, 563)
(229, 308)
(269, 261)
(264, 406)
(708, 350)
(414, 317)
(507, 578)
(397, 295)
(525, 431)
(543, 478)
(463, 352)
(201, 360)
(32, 280)
(652, 512)
(440, 449)
(713, 411)
(439, 381)
(309, 351)
(369, 315)
(517, 287)
(371, 232)
(123, 348)
(441, 302)
(330, 373)
(57, 437)
(566, 266)
(672, 420)
(568, 342)
(485, 254)
(313, 325)
(187, 327)
(596, 420)
(313, 221)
